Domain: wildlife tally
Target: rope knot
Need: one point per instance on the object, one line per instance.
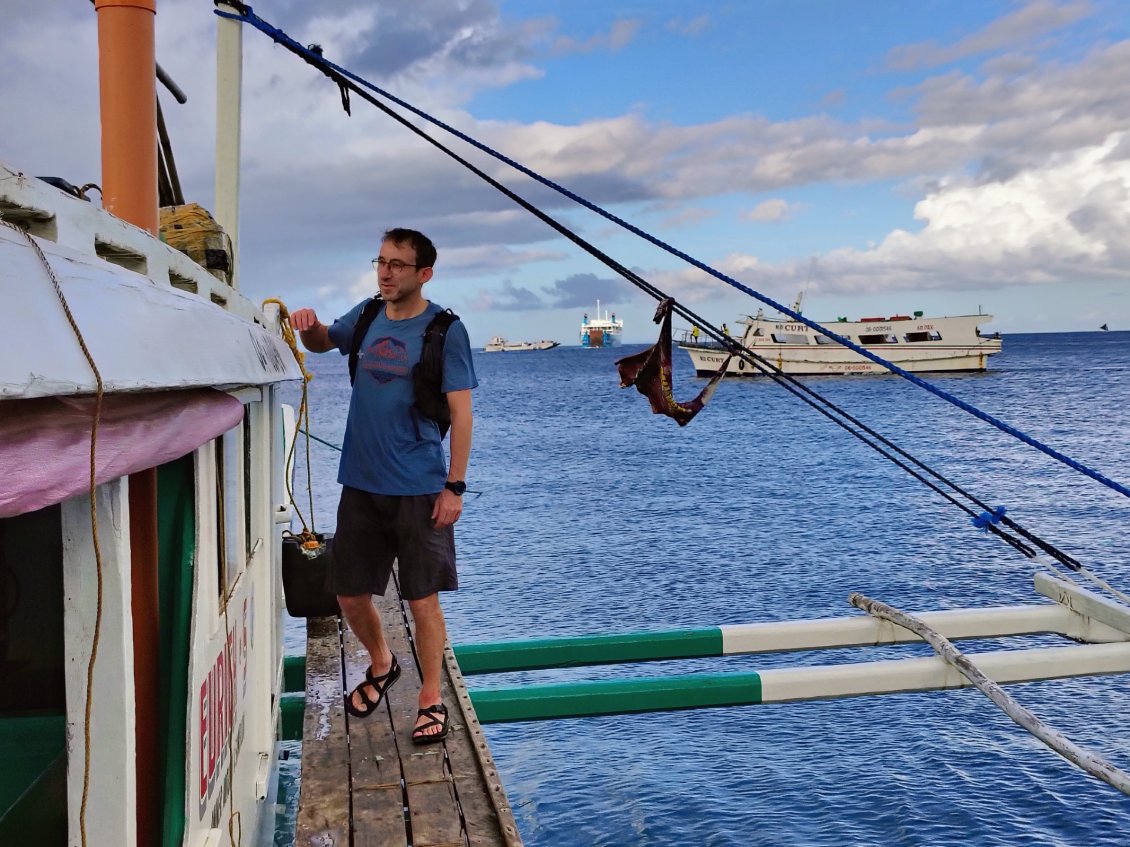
(310, 546)
(985, 519)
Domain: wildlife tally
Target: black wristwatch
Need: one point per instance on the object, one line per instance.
(457, 487)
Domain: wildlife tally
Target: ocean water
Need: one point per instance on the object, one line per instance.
(596, 517)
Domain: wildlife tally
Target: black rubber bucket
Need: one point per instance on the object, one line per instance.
(304, 579)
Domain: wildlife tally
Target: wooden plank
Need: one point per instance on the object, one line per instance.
(486, 809)
(440, 795)
(323, 803)
(378, 798)
(433, 808)
(374, 824)
(435, 814)
(482, 803)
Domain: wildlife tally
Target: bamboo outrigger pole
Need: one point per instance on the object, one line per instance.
(1092, 764)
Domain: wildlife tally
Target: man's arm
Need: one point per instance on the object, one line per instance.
(449, 505)
(315, 335)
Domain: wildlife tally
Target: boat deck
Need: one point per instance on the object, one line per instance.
(363, 782)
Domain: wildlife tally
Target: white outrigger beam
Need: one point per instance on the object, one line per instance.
(1078, 614)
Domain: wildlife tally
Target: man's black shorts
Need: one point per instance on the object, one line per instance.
(374, 529)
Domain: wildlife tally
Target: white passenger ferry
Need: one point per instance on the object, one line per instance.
(915, 343)
(602, 331)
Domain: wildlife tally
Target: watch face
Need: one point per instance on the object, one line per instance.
(457, 487)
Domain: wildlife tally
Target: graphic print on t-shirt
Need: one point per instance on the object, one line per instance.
(386, 359)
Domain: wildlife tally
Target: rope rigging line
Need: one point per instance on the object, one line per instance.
(92, 490)
(343, 77)
(987, 520)
(315, 58)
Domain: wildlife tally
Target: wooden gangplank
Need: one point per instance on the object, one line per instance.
(363, 782)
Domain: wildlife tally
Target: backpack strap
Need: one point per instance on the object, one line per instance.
(427, 375)
(364, 321)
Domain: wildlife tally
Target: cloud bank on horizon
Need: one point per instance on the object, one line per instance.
(976, 153)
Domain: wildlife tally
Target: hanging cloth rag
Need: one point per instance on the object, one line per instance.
(650, 372)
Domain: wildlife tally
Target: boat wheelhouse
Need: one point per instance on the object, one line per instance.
(143, 505)
(915, 343)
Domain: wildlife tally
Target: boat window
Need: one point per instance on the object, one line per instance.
(758, 331)
(789, 338)
(248, 487)
(230, 505)
(878, 338)
(923, 336)
(823, 339)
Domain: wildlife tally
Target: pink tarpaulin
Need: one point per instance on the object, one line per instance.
(45, 442)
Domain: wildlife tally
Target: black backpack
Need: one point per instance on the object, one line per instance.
(427, 374)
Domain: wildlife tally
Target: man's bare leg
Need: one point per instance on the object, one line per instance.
(366, 625)
(431, 635)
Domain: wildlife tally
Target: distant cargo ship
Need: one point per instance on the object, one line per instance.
(601, 331)
(498, 344)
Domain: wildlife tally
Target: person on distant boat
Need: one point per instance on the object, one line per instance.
(399, 501)
(694, 332)
(725, 330)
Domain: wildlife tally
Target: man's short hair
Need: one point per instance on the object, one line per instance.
(425, 250)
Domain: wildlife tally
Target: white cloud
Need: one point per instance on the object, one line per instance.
(619, 35)
(766, 211)
(1030, 21)
(690, 28)
(1065, 220)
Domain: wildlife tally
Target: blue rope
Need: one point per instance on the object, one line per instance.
(315, 57)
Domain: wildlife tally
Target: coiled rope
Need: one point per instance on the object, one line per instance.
(308, 538)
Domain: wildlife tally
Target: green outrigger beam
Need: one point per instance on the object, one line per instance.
(294, 674)
(615, 697)
(1102, 625)
(585, 650)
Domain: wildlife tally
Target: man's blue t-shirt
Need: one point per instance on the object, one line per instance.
(389, 448)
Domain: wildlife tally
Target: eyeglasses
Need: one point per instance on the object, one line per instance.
(394, 265)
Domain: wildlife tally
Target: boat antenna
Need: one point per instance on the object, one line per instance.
(807, 280)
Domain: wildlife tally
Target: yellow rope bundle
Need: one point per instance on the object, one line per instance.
(308, 537)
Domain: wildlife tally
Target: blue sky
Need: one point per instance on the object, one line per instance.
(881, 156)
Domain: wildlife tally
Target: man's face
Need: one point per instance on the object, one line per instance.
(397, 275)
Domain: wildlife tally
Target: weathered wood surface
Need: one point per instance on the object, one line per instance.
(437, 795)
(324, 821)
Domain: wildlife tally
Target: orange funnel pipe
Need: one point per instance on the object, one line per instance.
(128, 97)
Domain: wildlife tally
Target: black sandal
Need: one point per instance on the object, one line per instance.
(380, 684)
(437, 716)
